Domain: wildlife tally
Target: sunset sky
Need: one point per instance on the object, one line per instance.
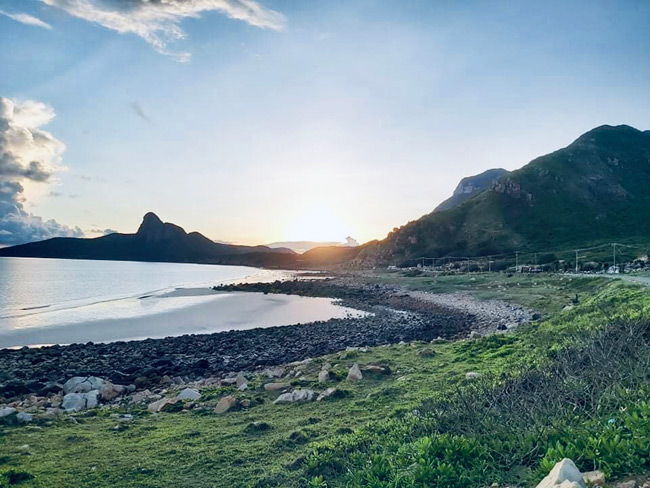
(254, 122)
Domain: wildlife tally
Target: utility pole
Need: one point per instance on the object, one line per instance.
(516, 261)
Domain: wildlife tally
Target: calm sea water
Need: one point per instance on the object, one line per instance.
(45, 301)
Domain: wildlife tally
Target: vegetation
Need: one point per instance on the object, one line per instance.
(593, 191)
(573, 385)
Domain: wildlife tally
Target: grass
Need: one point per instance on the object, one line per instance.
(295, 444)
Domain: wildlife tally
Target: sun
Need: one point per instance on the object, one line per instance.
(318, 223)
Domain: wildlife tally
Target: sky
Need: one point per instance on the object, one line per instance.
(274, 120)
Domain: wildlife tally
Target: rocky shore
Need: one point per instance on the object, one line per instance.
(395, 316)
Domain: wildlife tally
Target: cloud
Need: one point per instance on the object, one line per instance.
(103, 232)
(158, 21)
(26, 19)
(139, 111)
(27, 154)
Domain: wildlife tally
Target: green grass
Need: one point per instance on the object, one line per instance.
(304, 441)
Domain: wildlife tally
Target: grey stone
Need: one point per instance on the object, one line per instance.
(6, 411)
(594, 478)
(472, 375)
(24, 417)
(354, 373)
(188, 394)
(241, 380)
(75, 402)
(276, 386)
(158, 405)
(327, 393)
(296, 396)
(83, 384)
(324, 376)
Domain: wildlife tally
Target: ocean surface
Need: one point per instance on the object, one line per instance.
(57, 301)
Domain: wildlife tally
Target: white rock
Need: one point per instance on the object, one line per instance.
(225, 404)
(296, 396)
(325, 394)
(75, 402)
(354, 374)
(188, 394)
(24, 417)
(564, 471)
(241, 380)
(324, 376)
(594, 478)
(472, 375)
(140, 396)
(158, 405)
(243, 387)
(6, 411)
(83, 384)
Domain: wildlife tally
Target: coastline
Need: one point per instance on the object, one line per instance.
(393, 316)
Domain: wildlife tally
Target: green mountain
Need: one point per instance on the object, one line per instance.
(594, 190)
(470, 187)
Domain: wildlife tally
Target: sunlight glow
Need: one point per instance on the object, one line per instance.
(318, 223)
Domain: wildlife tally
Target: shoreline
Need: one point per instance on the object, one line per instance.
(394, 316)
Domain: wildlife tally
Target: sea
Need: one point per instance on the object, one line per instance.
(58, 301)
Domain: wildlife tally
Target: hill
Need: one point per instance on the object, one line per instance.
(594, 190)
(155, 241)
(471, 186)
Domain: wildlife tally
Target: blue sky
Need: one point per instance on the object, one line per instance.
(352, 117)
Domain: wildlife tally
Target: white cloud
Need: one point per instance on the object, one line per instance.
(157, 21)
(27, 153)
(26, 19)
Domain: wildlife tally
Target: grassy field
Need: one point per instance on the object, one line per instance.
(295, 444)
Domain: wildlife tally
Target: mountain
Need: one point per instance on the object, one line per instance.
(470, 186)
(594, 190)
(155, 241)
(304, 246)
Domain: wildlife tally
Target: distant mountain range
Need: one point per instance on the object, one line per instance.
(304, 246)
(155, 241)
(595, 190)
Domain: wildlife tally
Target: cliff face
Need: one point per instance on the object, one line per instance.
(470, 186)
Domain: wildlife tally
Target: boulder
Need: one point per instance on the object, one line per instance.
(327, 393)
(75, 402)
(189, 394)
(83, 384)
(140, 396)
(24, 417)
(6, 411)
(296, 396)
(225, 404)
(594, 478)
(276, 386)
(275, 372)
(323, 376)
(109, 391)
(354, 374)
(8, 416)
(564, 474)
(241, 380)
(472, 375)
(158, 405)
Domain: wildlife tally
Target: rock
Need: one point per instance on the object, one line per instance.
(83, 384)
(276, 386)
(594, 478)
(189, 394)
(275, 372)
(354, 374)
(373, 368)
(627, 484)
(562, 472)
(296, 396)
(241, 380)
(327, 393)
(243, 387)
(225, 404)
(474, 335)
(158, 405)
(472, 375)
(323, 376)
(24, 417)
(75, 402)
(6, 411)
(245, 403)
(109, 391)
(229, 381)
(140, 396)
(439, 340)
